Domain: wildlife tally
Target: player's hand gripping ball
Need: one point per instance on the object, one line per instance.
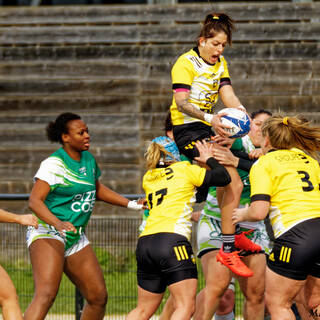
(238, 120)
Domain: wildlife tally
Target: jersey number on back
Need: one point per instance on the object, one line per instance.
(306, 180)
(156, 196)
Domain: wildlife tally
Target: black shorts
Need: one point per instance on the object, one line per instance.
(296, 254)
(164, 259)
(186, 135)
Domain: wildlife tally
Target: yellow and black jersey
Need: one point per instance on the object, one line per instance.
(289, 179)
(203, 80)
(170, 193)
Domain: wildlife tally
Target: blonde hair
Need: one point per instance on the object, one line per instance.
(288, 132)
(156, 154)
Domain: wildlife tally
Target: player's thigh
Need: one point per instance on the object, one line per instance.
(184, 292)
(310, 293)
(281, 290)
(214, 270)
(149, 301)
(7, 289)
(254, 286)
(47, 259)
(209, 240)
(84, 271)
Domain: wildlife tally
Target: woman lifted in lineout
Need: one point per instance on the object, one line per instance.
(199, 76)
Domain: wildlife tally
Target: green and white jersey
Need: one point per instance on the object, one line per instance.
(72, 185)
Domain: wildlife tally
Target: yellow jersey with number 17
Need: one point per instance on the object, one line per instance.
(170, 193)
(290, 180)
(203, 80)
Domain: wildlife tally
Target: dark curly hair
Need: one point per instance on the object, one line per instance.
(55, 129)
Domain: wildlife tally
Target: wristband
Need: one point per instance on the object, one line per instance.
(133, 204)
(242, 108)
(208, 117)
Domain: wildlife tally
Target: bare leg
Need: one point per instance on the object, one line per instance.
(253, 287)
(148, 303)
(230, 200)
(303, 312)
(47, 259)
(84, 271)
(184, 297)
(280, 292)
(308, 299)
(209, 297)
(167, 310)
(8, 298)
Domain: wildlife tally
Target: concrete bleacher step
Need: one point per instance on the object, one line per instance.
(187, 33)
(157, 52)
(133, 14)
(113, 69)
(44, 104)
(111, 137)
(17, 155)
(154, 86)
(81, 87)
(85, 69)
(37, 105)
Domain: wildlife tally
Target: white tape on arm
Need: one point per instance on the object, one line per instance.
(133, 204)
(208, 117)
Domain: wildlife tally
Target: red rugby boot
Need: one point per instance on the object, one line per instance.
(243, 243)
(233, 261)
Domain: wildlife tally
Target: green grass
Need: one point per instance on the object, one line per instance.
(119, 270)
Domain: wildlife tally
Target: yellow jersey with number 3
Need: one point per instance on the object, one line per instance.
(203, 80)
(289, 179)
(170, 193)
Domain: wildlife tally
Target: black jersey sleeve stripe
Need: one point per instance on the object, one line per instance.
(224, 81)
(181, 86)
(257, 197)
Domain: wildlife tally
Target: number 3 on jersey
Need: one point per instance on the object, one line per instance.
(305, 177)
(156, 196)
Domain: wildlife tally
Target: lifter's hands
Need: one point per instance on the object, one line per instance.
(206, 151)
(225, 156)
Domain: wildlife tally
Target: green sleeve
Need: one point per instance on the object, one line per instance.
(237, 144)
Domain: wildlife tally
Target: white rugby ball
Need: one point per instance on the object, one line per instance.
(237, 120)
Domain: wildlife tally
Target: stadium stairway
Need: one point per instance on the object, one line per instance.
(111, 64)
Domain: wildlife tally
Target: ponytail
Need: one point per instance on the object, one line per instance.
(289, 132)
(217, 22)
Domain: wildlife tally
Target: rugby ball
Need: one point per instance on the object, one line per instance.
(237, 120)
